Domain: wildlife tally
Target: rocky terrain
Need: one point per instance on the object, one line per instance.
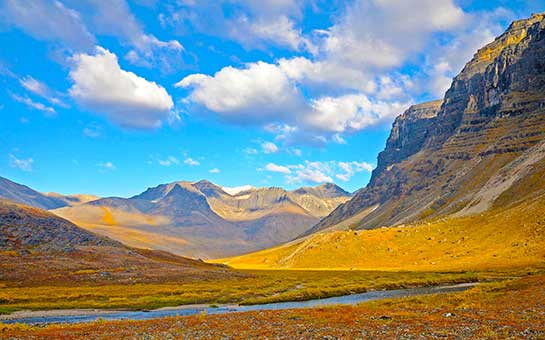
(37, 246)
(446, 157)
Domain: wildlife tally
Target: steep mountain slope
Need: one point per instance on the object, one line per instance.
(446, 157)
(37, 246)
(202, 220)
(460, 184)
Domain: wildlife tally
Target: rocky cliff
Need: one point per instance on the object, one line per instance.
(441, 155)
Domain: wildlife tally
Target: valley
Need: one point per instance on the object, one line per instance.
(457, 197)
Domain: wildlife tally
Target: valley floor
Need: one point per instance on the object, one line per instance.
(508, 309)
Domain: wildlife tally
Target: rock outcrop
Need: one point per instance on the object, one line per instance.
(438, 158)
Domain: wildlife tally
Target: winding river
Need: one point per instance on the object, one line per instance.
(85, 315)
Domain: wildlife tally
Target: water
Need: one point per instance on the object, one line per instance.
(352, 299)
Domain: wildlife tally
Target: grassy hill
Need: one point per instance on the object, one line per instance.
(501, 238)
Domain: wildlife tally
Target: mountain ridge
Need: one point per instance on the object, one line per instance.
(490, 116)
(200, 219)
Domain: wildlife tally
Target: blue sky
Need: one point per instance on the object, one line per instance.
(111, 97)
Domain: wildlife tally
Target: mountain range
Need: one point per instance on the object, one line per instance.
(197, 219)
(460, 183)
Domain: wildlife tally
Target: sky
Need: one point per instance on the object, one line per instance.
(112, 97)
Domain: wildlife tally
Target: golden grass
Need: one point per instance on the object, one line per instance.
(253, 288)
(499, 239)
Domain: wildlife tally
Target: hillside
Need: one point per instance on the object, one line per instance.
(22, 194)
(460, 184)
(37, 246)
(458, 155)
(202, 220)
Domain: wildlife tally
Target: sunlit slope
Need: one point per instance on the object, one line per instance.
(499, 238)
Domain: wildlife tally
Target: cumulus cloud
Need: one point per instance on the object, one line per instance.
(191, 162)
(350, 113)
(277, 168)
(99, 84)
(214, 171)
(21, 164)
(257, 93)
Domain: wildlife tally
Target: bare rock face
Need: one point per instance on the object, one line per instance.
(441, 154)
(409, 133)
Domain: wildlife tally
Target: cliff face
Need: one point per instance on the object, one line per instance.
(440, 155)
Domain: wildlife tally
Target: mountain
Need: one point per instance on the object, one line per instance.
(37, 246)
(459, 156)
(25, 195)
(22, 194)
(460, 184)
(204, 220)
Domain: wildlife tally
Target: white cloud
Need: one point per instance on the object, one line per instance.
(277, 168)
(49, 111)
(49, 21)
(21, 164)
(258, 93)
(250, 151)
(269, 147)
(214, 171)
(170, 160)
(319, 171)
(123, 97)
(42, 90)
(362, 39)
(107, 165)
(253, 24)
(92, 131)
(191, 162)
(350, 113)
(351, 168)
(311, 172)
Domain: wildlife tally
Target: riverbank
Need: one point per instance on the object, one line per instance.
(86, 315)
(253, 287)
(474, 313)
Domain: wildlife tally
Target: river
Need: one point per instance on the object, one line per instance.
(85, 315)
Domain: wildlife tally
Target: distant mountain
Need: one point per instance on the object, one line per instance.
(202, 219)
(22, 194)
(25, 195)
(37, 246)
(463, 155)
